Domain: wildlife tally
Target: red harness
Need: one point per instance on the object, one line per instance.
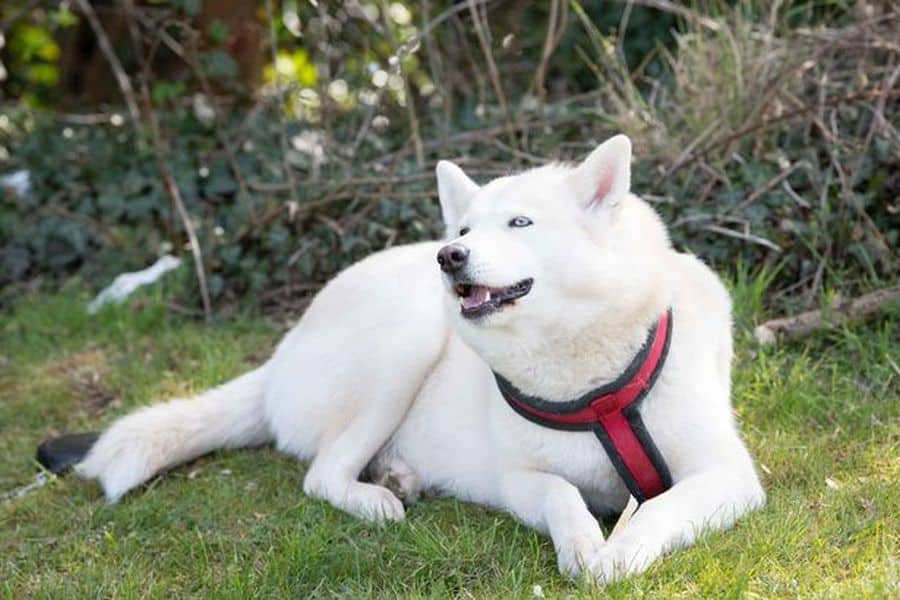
(612, 413)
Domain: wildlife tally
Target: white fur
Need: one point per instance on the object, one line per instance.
(383, 370)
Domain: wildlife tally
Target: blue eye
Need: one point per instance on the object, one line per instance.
(520, 222)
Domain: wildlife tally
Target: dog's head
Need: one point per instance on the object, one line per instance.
(554, 247)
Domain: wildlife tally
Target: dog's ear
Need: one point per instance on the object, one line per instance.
(604, 178)
(455, 191)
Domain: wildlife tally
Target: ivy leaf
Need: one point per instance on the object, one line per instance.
(167, 91)
(217, 31)
(218, 64)
(191, 7)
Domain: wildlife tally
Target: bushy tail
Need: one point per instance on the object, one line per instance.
(141, 444)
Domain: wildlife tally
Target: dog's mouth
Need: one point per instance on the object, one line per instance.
(480, 300)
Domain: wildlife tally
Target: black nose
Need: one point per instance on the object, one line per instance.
(452, 257)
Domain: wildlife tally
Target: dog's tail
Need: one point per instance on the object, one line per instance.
(141, 444)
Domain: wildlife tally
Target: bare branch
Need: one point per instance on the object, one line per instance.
(481, 32)
(159, 149)
(273, 48)
(743, 235)
(802, 325)
(410, 102)
(106, 48)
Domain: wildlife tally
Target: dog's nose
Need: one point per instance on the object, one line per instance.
(452, 257)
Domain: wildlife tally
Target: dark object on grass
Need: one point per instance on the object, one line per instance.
(59, 454)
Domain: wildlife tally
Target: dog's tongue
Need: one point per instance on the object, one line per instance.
(478, 296)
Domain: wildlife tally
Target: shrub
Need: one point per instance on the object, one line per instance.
(766, 134)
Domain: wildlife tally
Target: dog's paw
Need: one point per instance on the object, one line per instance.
(375, 503)
(573, 557)
(399, 478)
(615, 561)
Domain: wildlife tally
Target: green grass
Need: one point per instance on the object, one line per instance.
(235, 524)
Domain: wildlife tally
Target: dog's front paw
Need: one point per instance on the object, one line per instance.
(615, 561)
(374, 503)
(573, 556)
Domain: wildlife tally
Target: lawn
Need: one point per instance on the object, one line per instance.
(822, 418)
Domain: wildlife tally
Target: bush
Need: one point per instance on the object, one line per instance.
(765, 138)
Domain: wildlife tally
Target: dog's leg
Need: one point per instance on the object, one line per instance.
(712, 499)
(333, 474)
(554, 506)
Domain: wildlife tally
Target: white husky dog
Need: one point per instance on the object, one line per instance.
(554, 279)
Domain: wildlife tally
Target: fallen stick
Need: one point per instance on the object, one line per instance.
(624, 518)
(841, 311)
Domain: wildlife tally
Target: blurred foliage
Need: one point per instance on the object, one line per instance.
(97, 207)
(726, 102)
(31, 53)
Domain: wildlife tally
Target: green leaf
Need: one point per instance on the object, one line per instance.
(217, 31)
(63, 17)
(219, 65)
(191, 7)
(166, 91)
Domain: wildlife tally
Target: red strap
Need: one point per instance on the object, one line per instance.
(633, 455)
(608, 410)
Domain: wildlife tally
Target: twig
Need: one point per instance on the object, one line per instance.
(83, 118)
(878, 121)
(39, 481)
(802, 325)
(435, 68)
(401, 52)
(184, 310)
(410, 101)
(686, 153)
(769, 186)
(743, 235)
(483, 135)
(366, 123)
(748, 129)
(190, 58)
(106, 48)
(273, 48)
(174, 195)
(453, 10)
(817, 278)
(492, 70)
(551, 41)
(682, 11)
(533, 158)
(169, 185)
(623, 29)
(630, 508)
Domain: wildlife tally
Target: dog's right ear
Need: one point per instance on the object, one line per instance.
(455, 191)
(604, 178)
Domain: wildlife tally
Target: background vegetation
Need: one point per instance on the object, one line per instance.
(301, 136)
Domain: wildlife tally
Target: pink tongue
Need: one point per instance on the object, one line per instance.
(477, 297)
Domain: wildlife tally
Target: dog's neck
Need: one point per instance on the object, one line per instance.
(560, 366)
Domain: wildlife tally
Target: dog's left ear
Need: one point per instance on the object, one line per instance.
(455, 191)
(604, 178)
